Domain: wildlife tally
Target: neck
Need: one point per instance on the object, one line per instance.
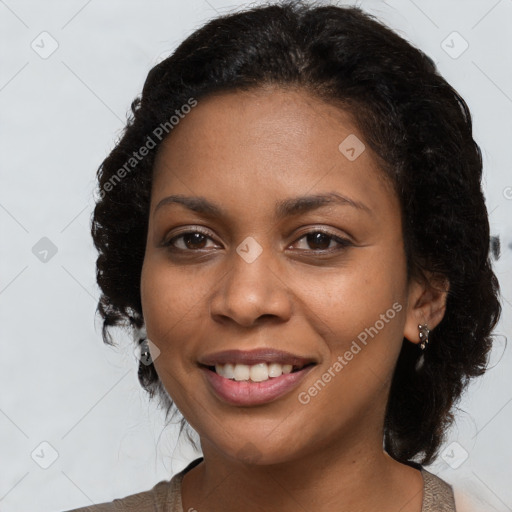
(356, 475)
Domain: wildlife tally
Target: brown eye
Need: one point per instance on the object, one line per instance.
(194, 240)
(189, 241)
(321, 241)
(318, 240)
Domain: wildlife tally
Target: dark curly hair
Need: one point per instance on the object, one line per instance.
(417, 124)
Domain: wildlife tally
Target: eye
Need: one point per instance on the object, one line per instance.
(318, 241)
(321, 240)
(190, 240)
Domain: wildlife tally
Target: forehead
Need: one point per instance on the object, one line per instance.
(286, 118)
(275, 140)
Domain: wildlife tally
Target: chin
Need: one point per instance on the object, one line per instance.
(259, 452)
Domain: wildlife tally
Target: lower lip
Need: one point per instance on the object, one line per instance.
(254, 393)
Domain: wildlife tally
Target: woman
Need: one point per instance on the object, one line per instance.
(293, 224)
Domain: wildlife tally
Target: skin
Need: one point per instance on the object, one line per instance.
(245, 151)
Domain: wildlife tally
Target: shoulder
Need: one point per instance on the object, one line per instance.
(165, 496)
(438, 495)
(153, 500)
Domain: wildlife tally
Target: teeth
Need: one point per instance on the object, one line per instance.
(259, 372)
(256, 373)
(275, 370)
(241, 372)
(229, 371)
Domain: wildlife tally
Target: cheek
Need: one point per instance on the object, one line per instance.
(170, 302)
(361, 309)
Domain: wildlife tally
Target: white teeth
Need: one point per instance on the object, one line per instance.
(256, 373)
(275, 370)
(241, 372)
(259, 372)
(229, 371)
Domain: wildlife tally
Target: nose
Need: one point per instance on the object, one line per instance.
(251, 291)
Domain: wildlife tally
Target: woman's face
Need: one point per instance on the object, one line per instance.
(237, 263)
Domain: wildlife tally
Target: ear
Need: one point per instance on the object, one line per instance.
(426, 304)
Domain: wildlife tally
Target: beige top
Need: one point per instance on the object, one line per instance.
(165, 496)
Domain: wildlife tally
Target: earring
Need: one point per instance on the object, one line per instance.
(145, 354)
(424, 332)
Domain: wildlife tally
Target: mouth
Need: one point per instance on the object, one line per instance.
(260, 372)
(255, 365)
(256, 377)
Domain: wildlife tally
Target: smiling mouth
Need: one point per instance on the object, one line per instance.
(260, 372)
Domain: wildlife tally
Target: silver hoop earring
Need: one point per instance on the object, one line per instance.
(424, 333)
(141, 336)
(145, 354)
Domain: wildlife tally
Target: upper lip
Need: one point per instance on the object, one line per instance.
(256, 356)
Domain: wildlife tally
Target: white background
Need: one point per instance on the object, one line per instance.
(60, 117)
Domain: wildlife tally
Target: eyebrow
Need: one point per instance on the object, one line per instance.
(285, 208)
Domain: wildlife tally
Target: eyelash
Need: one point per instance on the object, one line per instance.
(343, 242)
